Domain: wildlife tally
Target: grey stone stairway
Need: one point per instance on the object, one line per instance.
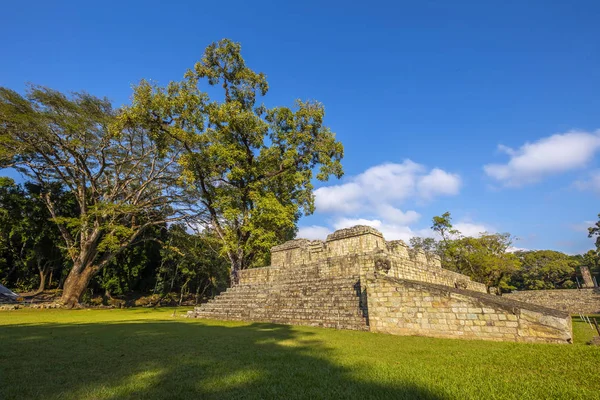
(327, 303)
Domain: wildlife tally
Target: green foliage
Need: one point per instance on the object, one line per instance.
(426, 244)
(442, 225)
(133, 269)
(163, 260)
(594, 231)
(484, 258)
(545, 269)
(29, 241)
(192, 262)
(122, 179)
(487, 259)
(250, 166)
(591, 259)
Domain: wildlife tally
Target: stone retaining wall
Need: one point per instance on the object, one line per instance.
(347, 252)
(404, 307)
(574, 301)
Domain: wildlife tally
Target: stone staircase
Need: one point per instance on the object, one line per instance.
(323, 302)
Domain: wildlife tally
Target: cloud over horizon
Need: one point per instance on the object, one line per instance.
(377, 197)
(551, 155)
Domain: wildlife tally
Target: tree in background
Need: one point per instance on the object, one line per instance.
(484, 258)
(122, 178)
(29, 242)
(545, 269)
(250, 166)
(193, 262)
(592, 257)
(594, 232)
(133, 269)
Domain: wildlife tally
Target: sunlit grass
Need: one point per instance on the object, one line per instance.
(151, 354)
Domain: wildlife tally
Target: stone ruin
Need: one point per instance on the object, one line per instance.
(358, 280)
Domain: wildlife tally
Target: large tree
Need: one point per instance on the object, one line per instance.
(122, 178)
(484, 258)
(546, 269)
(251, 166)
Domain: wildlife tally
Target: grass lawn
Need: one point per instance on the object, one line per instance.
(149, 354)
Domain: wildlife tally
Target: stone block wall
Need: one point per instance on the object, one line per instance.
(341, 243)
(331, 268)
(404, 307)
(355, 240)
(574, 301)
(406, 268)
(348, 251)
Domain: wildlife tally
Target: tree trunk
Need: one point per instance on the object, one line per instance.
(235, 274)
(76, 284)
(43, 272)
(42, 286)
(50, 278)
(236, 267)
(182, 291)
(197, 293)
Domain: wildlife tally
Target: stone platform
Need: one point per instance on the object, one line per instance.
(358, 280)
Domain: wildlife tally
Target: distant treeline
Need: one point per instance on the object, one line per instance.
(490, 258)
(177, 258)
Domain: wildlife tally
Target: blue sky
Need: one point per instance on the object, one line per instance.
(489, 110)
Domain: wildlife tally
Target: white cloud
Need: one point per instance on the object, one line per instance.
(338, 198)
(389, 231)
(374, 198)
(383, 186)
(396, 215)
(548, 156)
(472, 229)
(438, 182)
(313, 232)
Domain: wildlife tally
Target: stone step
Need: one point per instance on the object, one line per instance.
(295, 295)
(297, 299)
(283, 305)
(311, 293)
(292, 287)
(285, 310)
(281, 301)
(281, 317)
(305, 289)
(320, 308)
(296, 280)
(342, 323)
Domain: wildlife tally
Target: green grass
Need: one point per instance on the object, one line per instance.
(149, 354)
(582, 331)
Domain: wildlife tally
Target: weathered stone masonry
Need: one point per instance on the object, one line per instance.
(357, 280)
(574, 301)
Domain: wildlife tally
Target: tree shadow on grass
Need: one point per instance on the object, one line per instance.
(178, 360)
